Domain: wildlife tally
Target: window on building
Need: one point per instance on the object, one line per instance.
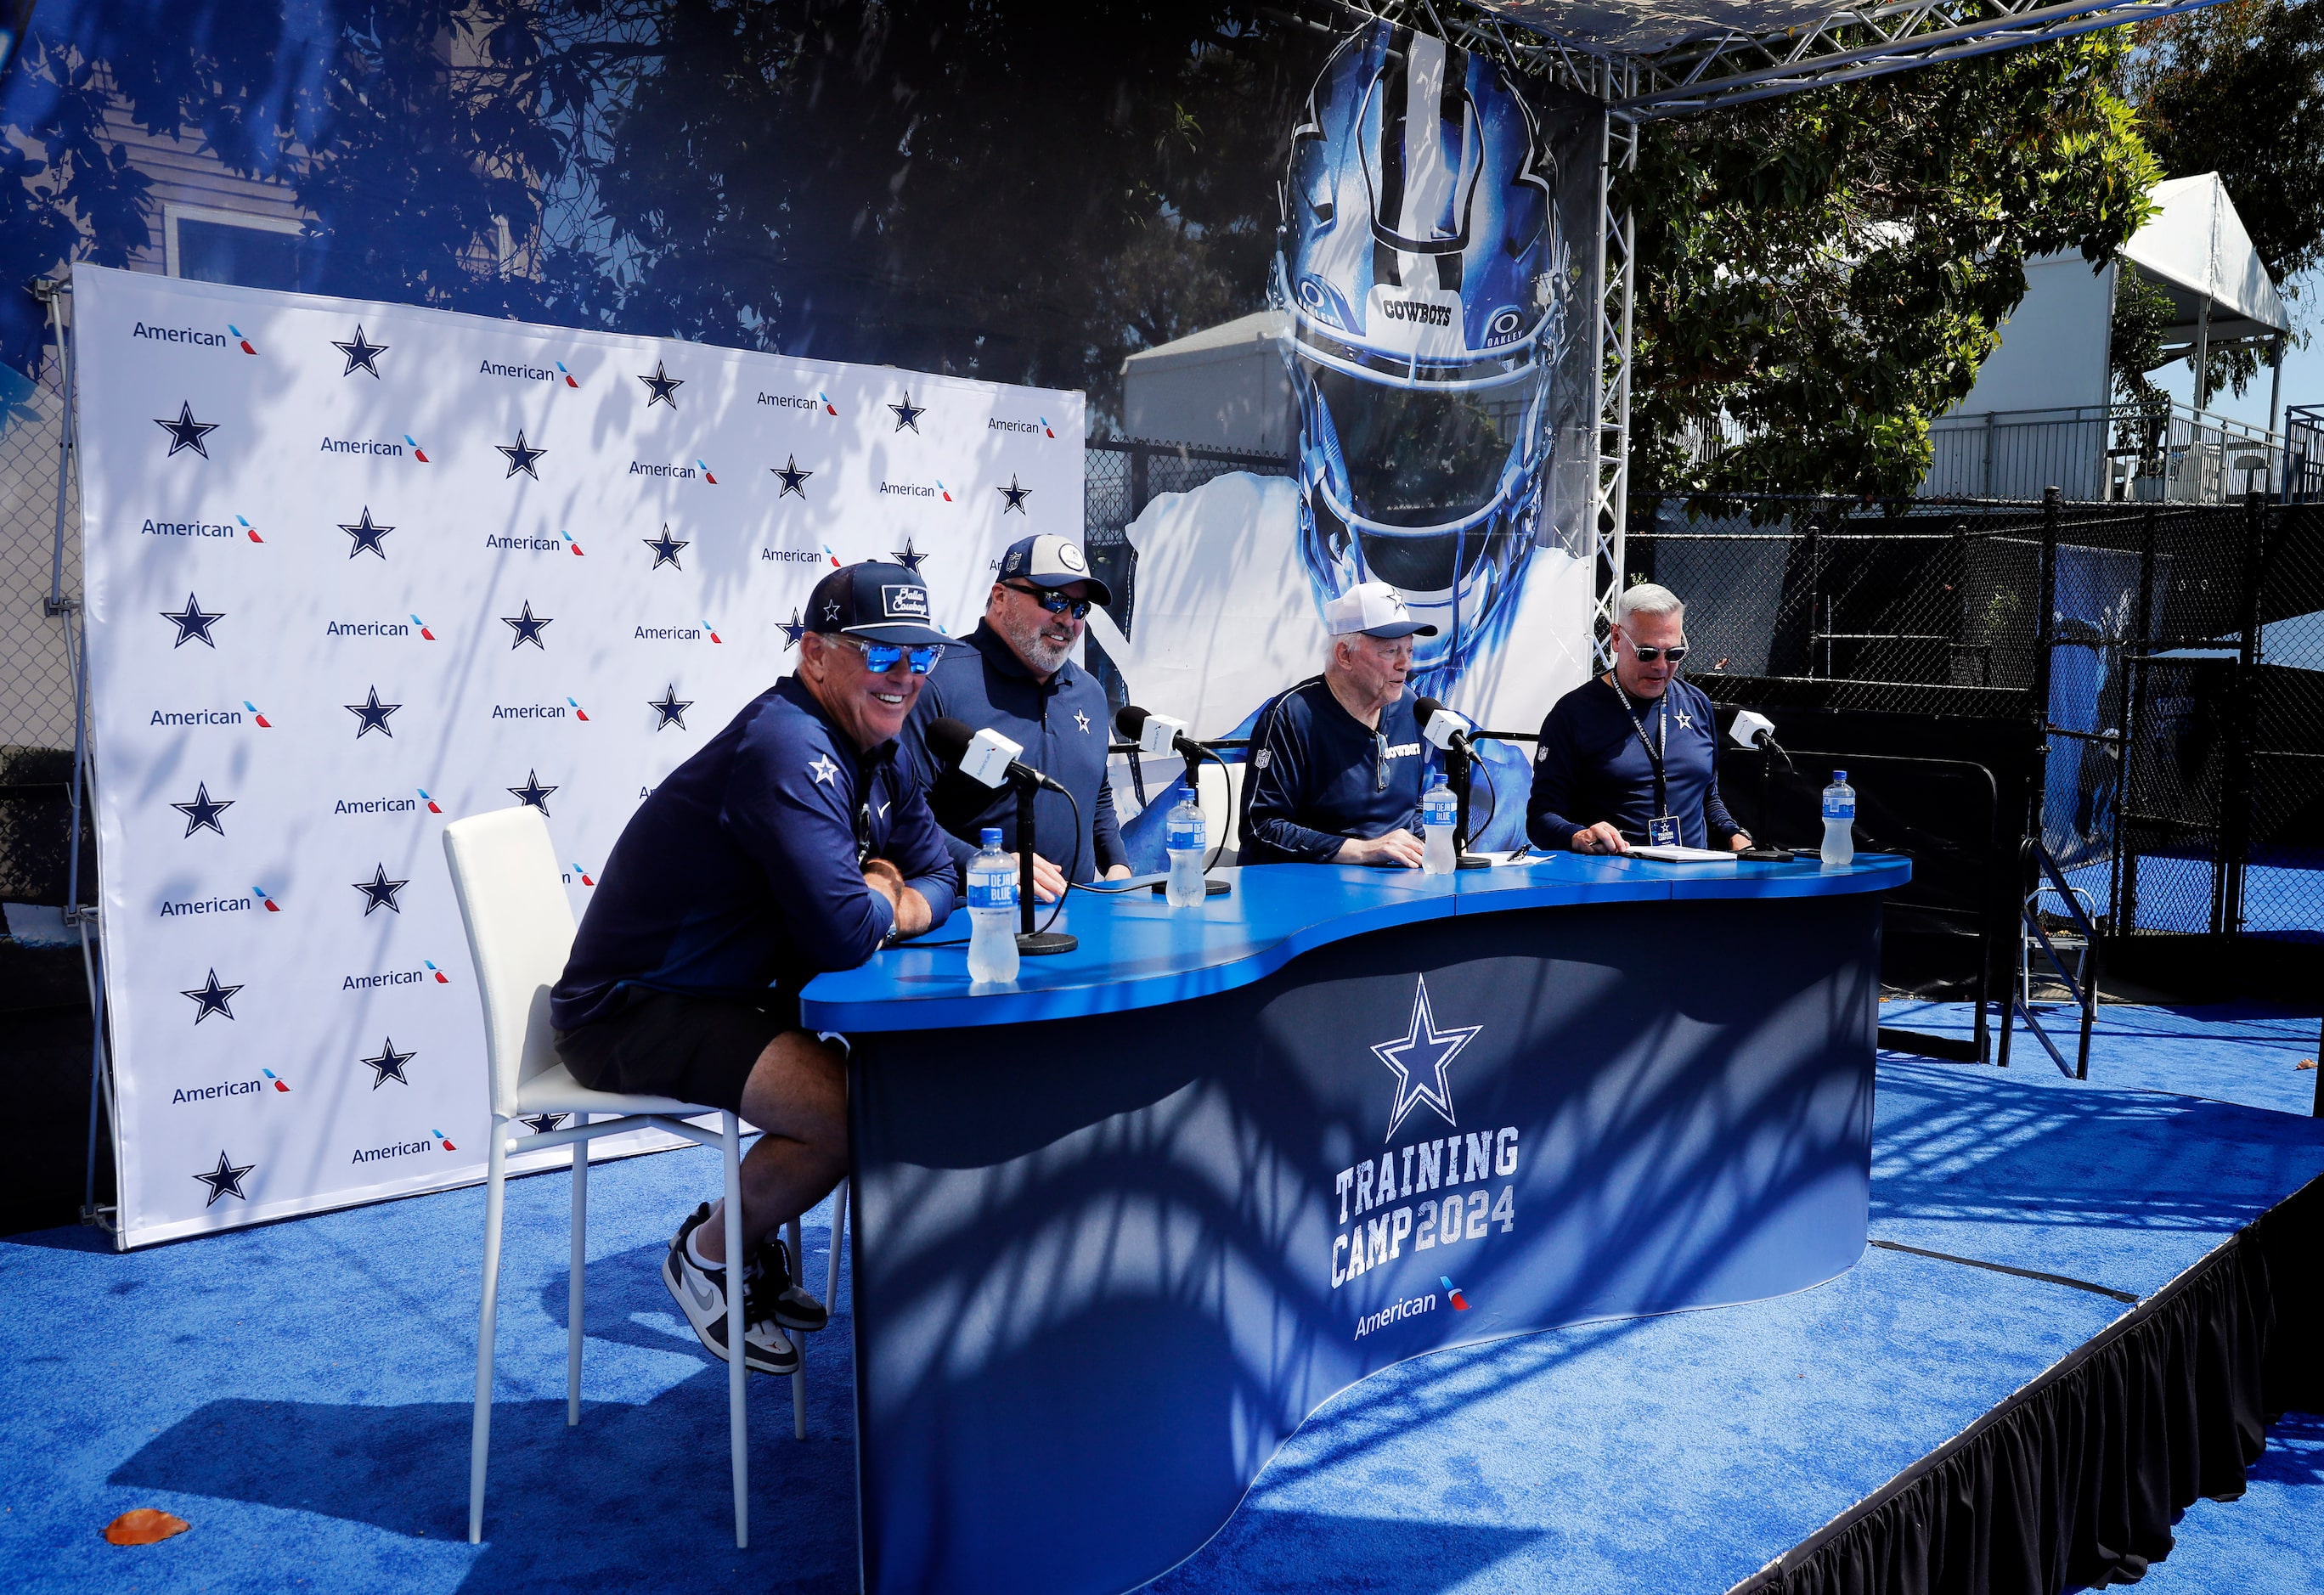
(221, 246)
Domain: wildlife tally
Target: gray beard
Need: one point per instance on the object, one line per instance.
(1043, 656)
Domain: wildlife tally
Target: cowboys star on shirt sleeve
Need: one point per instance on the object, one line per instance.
(789, 803)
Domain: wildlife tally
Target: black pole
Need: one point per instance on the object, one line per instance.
(1029, 940)
(2125, 916)
(2316, 1108)
(1458, 774)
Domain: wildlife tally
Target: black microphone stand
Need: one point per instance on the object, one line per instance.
(1457, 774)
(1029, 940)
(1194, 758)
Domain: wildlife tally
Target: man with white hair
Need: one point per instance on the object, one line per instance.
(1633, 756)
(1335, 761)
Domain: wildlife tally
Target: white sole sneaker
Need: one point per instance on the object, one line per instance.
(701, 1295)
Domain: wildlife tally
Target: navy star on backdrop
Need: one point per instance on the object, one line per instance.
(361, 355)
(379, 891)
(660, 386)
(1015, 494)
(532, 794)
(793, 477)
(792, 629)
(665, 547)
(194, 624)
(226, 1179)
(202, 813)
(671, 708)
(908, 414)
(186, 432)
(907, 557)
(365, 535)
(389, 1064)
(527, 628)
(1437, 1049)
(210, 997)
(520, 457)
(543, 1123)
(374, 715)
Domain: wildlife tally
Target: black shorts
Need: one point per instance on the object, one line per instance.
(697, 1049)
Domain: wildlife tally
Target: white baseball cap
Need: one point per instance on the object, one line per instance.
(1374, 609)
(1051, 561)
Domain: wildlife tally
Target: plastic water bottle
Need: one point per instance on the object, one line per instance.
(1839, 820)
(1440, 812)
(992, 912)
(1182, 834)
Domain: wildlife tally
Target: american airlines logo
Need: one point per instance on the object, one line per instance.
(1419, 311)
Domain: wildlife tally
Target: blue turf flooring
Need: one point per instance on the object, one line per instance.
(300, 1393)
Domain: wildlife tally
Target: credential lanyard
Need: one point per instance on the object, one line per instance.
(1656, 748)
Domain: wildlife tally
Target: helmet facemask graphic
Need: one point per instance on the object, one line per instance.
(1425, 279)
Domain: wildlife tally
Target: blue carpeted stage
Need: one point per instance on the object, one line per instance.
(299, 1393)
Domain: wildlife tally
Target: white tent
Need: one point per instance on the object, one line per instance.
(2198, 252)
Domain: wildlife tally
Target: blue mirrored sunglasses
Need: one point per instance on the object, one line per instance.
(1054, 601)
(880, 657)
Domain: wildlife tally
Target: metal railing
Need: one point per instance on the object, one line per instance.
(2103, 454)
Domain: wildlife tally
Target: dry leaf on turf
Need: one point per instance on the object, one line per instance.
(2307, 1063)
(144, 1525)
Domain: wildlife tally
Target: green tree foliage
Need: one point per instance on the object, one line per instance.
(2238, 89)
(1820, 276)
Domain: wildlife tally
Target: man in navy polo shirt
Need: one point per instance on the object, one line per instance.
(1336, 761)
(1015, 675)
(790, 844)
(1633, 756)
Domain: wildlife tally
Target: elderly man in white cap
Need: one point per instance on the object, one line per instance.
(1336, 761)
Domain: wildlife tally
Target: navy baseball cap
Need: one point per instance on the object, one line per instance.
(876, 602)
(1051, 561)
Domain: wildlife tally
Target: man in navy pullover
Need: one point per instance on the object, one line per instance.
(1015, 675)
(790, 844)
(1632, 747)
(1335, 762)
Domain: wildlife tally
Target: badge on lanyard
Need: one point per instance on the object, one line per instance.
(1662, 830)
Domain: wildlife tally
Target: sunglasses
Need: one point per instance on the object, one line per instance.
(1052, 600)
(880, 657)
(1647, 656)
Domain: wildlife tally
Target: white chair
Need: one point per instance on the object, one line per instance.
(512, 897)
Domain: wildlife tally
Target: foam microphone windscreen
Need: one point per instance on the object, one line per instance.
(1425, 709)
(948, 740)
(1130, 720)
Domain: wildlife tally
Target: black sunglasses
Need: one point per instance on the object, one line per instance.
(1054, 601)
(1647, 656)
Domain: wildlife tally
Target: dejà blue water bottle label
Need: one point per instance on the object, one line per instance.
(1183, 836)
(991, 891)
(1840, 805)
(1439, 807)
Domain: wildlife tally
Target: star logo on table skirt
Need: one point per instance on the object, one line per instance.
(792, 629)
(210, 997)
(1080, 720)
(226, 1179)
(186, 432)
(527, 627)
(389, 1064)
(908, 414)
(665, 547)
(543, 1123)
(672, 707)
(1420, 1058)
(794, 479)
(379, 891)
(532, 794)
(202, 813)
(194, 623)
(372, 714)
(824, 769)
(907, 557)
(366, 534)
(661, 386)
(361, 355)
(1015, 494)
(520, 457)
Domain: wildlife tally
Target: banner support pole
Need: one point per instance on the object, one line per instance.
(1609, 428)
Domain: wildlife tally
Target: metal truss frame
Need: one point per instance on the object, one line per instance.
(1610, 432)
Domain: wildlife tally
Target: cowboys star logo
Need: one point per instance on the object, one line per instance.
(202, 813)
(532, 794)
(374, 715)
(226, 1179)
(361, 355)
(671, 708)
(665, 547)
(661, 386)
(1424, 1050)
(389, 1064)
(907, 557)
(1015, 494)
(527, 627)
(520, 457)
(908, 414)
(794, 479)
(194, 623)
(379, 891)
(365, 535)
(186, 432)
(210, 997)
(792, 629)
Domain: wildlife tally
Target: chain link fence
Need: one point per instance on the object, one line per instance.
(36, 702)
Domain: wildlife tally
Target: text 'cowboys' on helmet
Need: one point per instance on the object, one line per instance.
(1425, 284)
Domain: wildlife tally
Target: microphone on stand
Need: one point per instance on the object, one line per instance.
(1751, 729)
(990, 759)
(1164, 734)
(1452, 733)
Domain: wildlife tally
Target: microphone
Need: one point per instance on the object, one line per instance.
(1751, 729)
(1156, 733)
(1442, 727)
(984, 757)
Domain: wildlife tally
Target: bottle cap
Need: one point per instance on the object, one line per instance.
(1840, 775)
(990, 838)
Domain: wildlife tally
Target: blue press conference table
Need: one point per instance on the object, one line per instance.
(1121, 1226)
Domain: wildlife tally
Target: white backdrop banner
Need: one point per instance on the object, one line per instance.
(356, 569)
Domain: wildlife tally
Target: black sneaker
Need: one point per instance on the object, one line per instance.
(701, 1295)
(771, 1278)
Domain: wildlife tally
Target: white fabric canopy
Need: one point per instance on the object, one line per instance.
(2198, 247)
